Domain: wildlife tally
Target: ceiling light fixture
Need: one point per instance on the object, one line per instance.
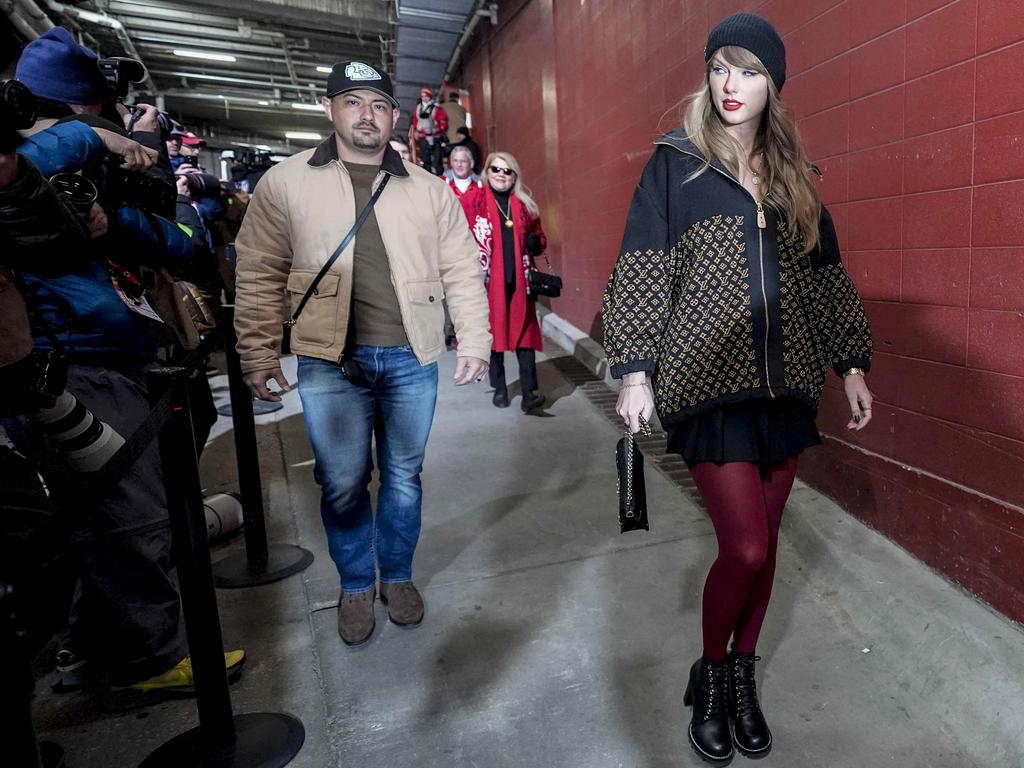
(310, 107)
(203, 55)
(325, 70)
(303, 136)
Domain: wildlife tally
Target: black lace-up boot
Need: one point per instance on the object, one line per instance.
(707, 692)
(750, 731)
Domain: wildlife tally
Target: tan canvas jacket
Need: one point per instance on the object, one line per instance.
(299, 213)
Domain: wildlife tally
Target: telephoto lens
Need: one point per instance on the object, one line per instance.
(77, 190)
(203, 184)
(223, 514)
(85, 442)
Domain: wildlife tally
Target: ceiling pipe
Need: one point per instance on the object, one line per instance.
(19, 22)
(183, 41)
(101, 19)
(237, 80)
(483, 9)
(35, 16)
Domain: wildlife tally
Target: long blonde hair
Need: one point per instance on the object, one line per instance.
(789, 187)
(520, 190)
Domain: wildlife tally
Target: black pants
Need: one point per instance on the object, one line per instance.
(127, 616)
(527, 369)
(430, 156)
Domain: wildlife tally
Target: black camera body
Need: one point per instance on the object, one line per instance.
(120, 73)
(118, 186)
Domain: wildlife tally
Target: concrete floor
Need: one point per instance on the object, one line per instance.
(551, 640)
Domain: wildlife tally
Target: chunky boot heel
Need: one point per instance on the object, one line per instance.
(709, 731)
(750, 730)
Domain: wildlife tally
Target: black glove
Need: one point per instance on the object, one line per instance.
(534, 245)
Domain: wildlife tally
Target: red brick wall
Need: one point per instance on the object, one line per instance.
(914, 110)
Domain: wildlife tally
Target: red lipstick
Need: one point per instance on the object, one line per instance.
(731, 105)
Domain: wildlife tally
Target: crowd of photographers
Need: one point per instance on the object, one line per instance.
(112, 236)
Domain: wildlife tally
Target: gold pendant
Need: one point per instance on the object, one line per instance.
(508, 222)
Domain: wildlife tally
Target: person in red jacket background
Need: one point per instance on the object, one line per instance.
(506, 224)
(430, 127)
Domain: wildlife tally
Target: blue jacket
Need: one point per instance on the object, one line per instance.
(82, 308)
(64, 147)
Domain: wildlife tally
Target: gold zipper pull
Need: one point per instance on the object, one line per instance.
(761, 221)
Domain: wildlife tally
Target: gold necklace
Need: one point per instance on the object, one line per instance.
(507, 215)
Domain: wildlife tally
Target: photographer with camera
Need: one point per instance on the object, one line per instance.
(127, 620)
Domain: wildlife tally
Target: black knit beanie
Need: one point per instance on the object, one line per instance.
(757, 35)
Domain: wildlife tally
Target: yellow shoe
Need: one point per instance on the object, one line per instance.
(178, 679)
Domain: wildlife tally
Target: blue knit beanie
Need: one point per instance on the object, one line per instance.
(56, 67)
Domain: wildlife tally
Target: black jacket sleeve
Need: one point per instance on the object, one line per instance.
(839, 309)
(637, 299)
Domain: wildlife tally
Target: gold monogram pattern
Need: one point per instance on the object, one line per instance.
(708, 346)
(687, 315)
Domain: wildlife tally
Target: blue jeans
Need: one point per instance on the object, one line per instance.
(395, 404)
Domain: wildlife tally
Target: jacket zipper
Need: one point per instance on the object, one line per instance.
(762, 224)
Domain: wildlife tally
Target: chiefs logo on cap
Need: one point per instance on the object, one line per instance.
(359, 71)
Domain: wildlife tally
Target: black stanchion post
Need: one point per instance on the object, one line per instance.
(195, 573)
(16, 699)
(260, 564)
(222, 740)
(246, 454)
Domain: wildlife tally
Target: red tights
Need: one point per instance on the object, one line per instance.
(745, 503)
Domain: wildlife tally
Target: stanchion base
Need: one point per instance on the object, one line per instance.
(283, 560)
(259, 408)
(264, 740)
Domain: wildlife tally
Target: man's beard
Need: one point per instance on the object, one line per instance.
(364, 140)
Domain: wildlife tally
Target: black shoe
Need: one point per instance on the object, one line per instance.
(750, 731)
(707, 692)
(532, 401)
(500, 398)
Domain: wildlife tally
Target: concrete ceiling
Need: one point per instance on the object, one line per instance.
(276, 45)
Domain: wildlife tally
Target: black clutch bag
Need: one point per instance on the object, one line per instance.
(629, 463)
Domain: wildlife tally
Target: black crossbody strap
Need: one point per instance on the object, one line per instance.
(360, 220)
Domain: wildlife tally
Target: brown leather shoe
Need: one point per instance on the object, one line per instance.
(404, 602)
(355, 617)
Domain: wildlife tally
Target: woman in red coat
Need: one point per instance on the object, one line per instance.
(506, 223)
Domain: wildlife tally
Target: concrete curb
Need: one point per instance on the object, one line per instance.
(576, 342)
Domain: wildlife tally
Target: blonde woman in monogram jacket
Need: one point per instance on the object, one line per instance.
(730, 299)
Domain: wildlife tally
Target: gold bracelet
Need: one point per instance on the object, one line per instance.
(854, 372)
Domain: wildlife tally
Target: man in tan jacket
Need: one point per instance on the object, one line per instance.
(369, 337)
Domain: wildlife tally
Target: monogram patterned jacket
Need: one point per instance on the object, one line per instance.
(717, 308)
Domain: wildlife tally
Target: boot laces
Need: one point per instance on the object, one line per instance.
(744, 686)
(714, 683)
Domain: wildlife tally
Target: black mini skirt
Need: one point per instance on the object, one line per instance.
(761, 431)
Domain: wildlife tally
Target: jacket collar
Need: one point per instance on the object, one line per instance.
(327, 151)
(681, 142)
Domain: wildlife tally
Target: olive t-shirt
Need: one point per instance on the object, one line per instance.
(375, 311)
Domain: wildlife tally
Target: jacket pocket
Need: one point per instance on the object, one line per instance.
(317, 324)
(427, 314)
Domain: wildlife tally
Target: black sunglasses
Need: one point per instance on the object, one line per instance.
(502, 171)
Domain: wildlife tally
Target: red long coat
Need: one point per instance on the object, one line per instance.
(518, 327)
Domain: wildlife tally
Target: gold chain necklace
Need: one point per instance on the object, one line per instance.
(507, 215)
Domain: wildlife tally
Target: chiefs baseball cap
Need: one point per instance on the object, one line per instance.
(357, 75)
